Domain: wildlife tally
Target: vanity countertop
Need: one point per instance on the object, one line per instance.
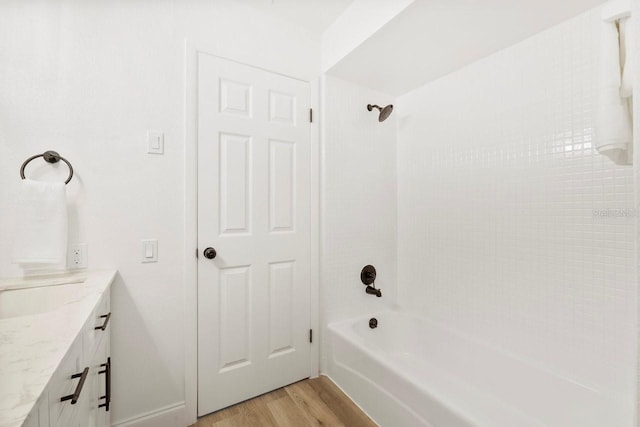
(32, 346)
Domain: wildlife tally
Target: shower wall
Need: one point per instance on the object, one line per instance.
(635, 11)
(358, 204)
(511, 228)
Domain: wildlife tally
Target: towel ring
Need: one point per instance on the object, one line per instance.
(49, 157)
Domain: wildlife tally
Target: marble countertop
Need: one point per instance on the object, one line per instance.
(32, 346)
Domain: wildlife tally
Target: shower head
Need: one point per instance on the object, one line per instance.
(384, 111)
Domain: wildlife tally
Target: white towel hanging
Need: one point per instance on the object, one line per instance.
(626, 56)
(613, 120)
(41, 232)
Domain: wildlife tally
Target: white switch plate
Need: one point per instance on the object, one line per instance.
(155, 142)
(78, 255)
(149, 250)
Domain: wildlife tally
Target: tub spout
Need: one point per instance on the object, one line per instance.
(368, 278)
(373, 291)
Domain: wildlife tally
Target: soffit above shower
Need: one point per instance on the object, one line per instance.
(431, 38)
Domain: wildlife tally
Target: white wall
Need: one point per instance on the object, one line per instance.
(497, 183)
(88, 78)
(358, 204)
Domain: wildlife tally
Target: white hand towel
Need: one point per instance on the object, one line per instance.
(41, 232)
(613, 123)
(626, 56)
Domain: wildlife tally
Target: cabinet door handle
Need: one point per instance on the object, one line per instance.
(107, 379)
(76, 394)
(106, 318)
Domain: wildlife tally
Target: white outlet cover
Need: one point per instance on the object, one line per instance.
(78, 256)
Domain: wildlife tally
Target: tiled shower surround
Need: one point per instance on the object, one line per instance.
(513, 230)
(358, 205)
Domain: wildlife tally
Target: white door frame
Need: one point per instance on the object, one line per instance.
(191, 225)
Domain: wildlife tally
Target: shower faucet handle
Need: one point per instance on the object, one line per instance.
(368, 277)
(368, 274)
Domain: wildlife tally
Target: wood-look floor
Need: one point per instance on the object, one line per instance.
(311, 402)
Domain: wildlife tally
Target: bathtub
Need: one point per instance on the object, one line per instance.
(412, 372)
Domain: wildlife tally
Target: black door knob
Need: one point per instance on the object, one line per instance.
(210, 253)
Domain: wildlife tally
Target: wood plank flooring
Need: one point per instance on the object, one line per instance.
(311, 402)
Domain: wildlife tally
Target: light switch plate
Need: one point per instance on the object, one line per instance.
(149, 250)
(155, 142)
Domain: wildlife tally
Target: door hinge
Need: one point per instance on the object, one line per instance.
(310, 335)
(197, 253)
(310, 115)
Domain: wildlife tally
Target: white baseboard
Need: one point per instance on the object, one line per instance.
(170, 416)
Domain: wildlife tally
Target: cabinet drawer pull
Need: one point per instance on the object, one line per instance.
(76, 394)
(106, 318)
(107, 379)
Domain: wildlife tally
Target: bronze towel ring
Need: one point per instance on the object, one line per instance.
(49, 157)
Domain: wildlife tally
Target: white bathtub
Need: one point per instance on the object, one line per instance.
(411, 372)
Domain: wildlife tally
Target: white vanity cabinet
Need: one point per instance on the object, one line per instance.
(39, 416)
(96, 339)
(63, 384)
(79, 392)
(100, 415)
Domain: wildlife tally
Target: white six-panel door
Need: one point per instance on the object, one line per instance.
(253, 208)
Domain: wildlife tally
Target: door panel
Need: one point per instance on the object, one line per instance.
(253, 208)
(281, 296)
(282, 184)
(235, 183)
(235, 317)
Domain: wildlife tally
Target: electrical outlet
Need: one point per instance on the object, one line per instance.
(78, 256)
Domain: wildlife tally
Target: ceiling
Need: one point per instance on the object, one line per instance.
(313, 16)
(431, 38)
